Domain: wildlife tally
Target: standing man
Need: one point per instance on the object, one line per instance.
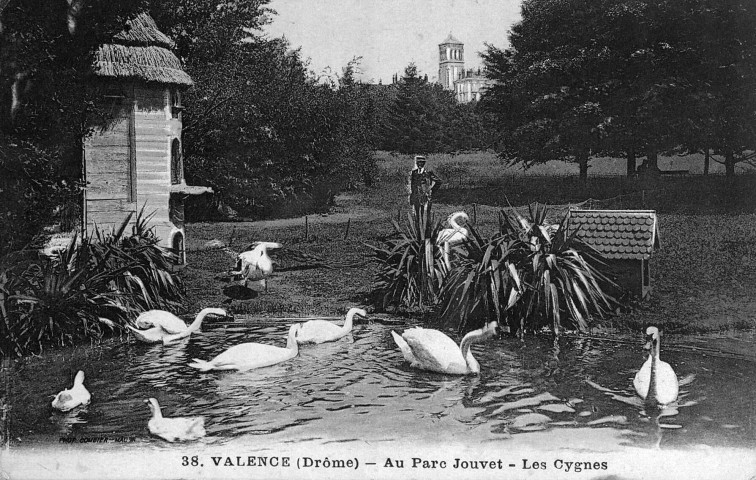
(422, 184)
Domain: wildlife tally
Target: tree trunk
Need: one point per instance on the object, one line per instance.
(652, 162)
(630, 163)
(729, 163)
(706, 161)
(582, 159)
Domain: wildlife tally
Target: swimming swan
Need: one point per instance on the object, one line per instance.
(656, 381)
(319, 331)
(452, 236)
(251, 355)
(255, 264)
(73, 397)
(172, 429)
(162, 326)
(429, 349)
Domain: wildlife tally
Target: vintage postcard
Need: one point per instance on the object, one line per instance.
(395, 239)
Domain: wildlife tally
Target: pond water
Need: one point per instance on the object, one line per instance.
(359, 389)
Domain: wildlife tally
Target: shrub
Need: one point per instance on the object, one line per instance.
(411, 267)
(93, 287)
(529, 275)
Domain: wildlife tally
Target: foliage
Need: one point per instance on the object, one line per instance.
(47, 104)
(621, 77)
(562, 273)
(529, 275)
(483, 283)
(31, 195)
(94, 286)
(259, 128)
(410, 266)
(417, 116)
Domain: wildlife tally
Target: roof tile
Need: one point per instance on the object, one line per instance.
(617, 234)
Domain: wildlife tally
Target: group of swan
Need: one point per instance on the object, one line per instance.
(425, 349)
(247, 356)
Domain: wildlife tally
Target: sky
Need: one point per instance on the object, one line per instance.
(389, 34)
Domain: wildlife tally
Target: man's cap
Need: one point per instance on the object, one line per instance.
(420, 158)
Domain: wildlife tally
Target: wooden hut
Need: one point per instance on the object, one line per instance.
(626, 238)
(136, 161)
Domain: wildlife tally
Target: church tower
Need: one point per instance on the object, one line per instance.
(451, 61)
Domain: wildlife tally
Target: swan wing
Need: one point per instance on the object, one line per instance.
(434, 350)
(318, 331)
(160, 318)
(151, 335)
(642, 379)
(70, 399)
(252, 355)
(404, 347)
(169, 339)
(179, 428)
(667, 384)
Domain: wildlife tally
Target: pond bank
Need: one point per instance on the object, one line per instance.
(703, 277)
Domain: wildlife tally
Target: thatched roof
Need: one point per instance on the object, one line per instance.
(140, 52)
(143, 31)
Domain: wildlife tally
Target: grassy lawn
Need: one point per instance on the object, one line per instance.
(704, 276)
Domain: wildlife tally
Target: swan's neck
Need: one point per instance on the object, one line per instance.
(291, 341)
(348, 322)
(156, 413)
(453, 221)
(79, 380)
(651, 396)
(465, 344)
(197, 323)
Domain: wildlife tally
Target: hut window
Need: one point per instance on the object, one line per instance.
(176, 106)
(177, 166)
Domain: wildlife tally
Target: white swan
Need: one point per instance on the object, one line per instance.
(656, 381)
(429, 349)
(172, 429)
(162, 326)
(255, 265)
(251, 355)
(73, 397)
(452, 236)
(319, 331)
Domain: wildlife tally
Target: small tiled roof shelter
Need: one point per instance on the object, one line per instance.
(626, 239)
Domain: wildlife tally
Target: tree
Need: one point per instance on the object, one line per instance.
(416, 121)
(622, 77)
(47, 104)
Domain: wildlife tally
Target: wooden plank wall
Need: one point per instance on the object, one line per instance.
(107, 163)
(155, 130)
(108, 172)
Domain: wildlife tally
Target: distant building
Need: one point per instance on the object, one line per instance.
(470, 86)
(451, 61)
(467, 85)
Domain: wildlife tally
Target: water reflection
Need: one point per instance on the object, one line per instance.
(360, 388)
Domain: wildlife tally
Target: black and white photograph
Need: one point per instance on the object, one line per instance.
(378, 239)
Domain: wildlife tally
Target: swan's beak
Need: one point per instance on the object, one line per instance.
(649, 342)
